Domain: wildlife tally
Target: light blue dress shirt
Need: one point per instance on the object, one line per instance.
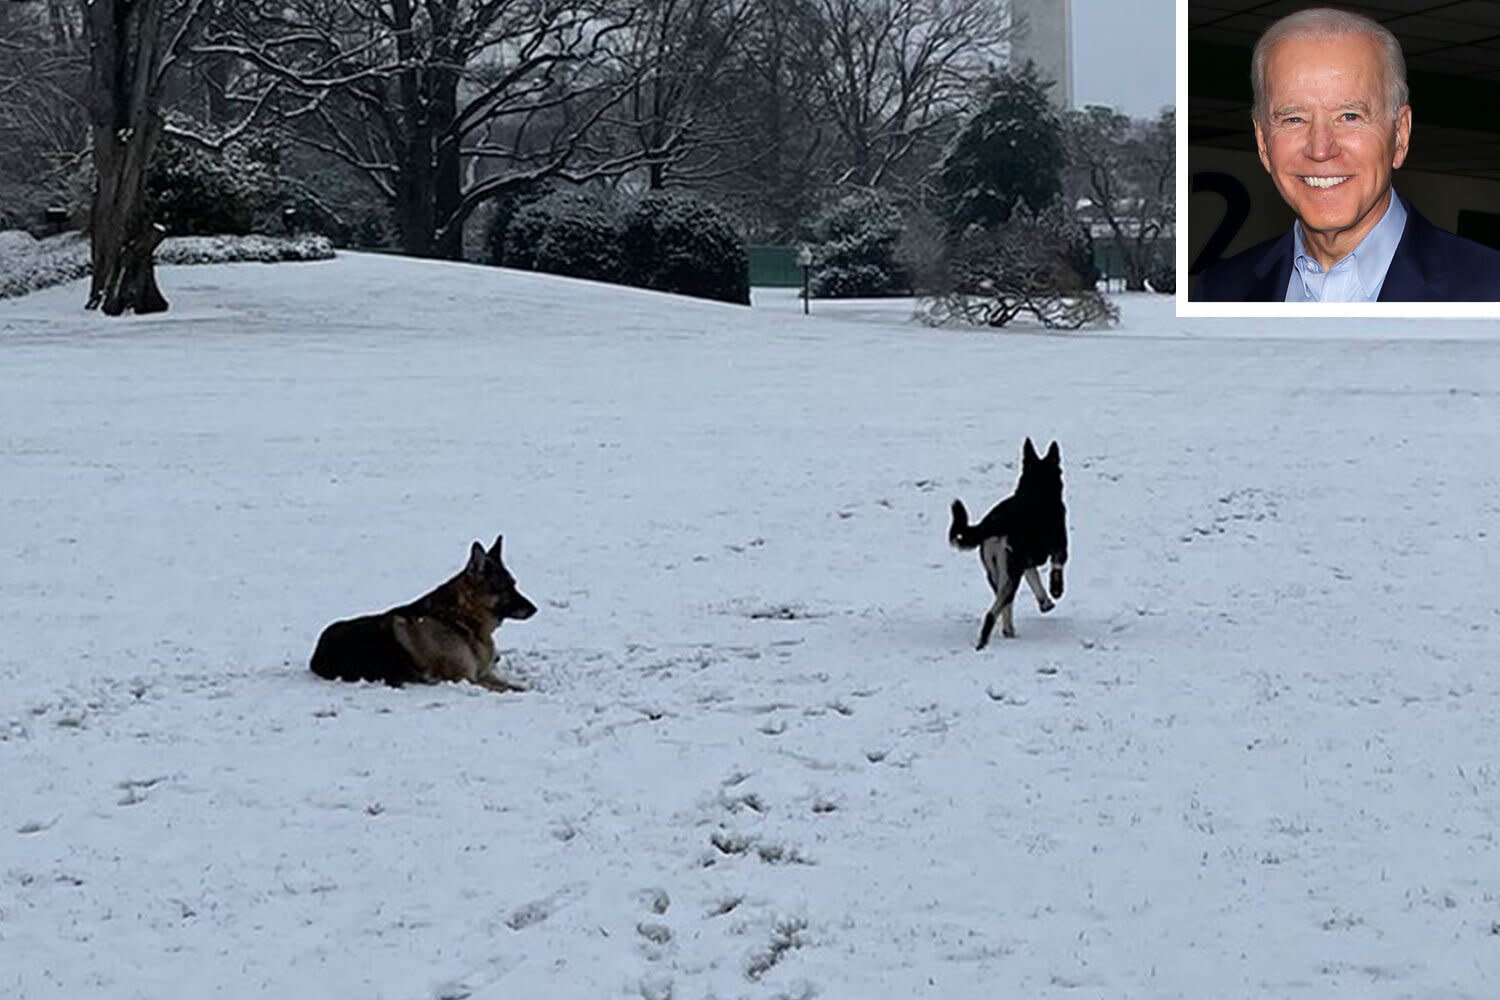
(1358, 276)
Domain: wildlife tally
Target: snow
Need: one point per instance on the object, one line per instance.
(1252, 753)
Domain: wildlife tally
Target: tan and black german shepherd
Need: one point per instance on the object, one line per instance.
(442, 636)
(1022, 532)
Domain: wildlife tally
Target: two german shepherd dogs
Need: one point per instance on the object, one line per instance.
(447, 634)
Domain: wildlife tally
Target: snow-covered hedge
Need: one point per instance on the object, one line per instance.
(856, 253)
(669, 242)
(565, 233)
(502, 247)
(194, 192)
(675, 242)
(28, 264)
(235, 249)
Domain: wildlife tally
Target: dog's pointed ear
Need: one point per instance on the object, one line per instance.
(495, 549)
(476, 559)
(1028, 452)
(1052, 454)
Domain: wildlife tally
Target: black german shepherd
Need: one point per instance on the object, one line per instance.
(445, 635)
(1023, 531)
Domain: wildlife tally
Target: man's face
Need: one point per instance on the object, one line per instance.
(1329, 142)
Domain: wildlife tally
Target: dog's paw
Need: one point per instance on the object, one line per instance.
(1045, 605)
(1008, 633)
(502, 685)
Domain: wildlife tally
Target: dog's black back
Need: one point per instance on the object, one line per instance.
(363, 649)
(1020, 533)
(1033, 518)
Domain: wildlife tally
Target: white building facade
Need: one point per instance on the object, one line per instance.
(1044, 35)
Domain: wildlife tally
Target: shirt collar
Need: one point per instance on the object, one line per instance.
(1371, 258)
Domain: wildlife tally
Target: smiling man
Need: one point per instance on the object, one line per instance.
(1332, 125)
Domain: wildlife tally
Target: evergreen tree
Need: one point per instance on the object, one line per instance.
(1009, 151)
(856, 253)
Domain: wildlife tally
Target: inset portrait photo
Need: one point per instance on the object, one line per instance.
(1340, 158)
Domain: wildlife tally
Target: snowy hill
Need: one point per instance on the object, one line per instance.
(1254, 752)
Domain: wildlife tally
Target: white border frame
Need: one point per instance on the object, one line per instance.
(1371, 310)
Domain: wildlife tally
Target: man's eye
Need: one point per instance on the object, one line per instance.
(1350, 116)
(1291, 120)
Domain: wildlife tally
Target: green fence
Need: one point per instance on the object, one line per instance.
(774, 267)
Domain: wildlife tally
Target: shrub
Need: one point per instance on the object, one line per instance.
(565, 232)
(198, 193)
(243, 249)
(666, 242)
(27, 264)
(503, 210)
(1021, 266)
(856, 255)
(677, 243)
(522, 234)
(580, 240)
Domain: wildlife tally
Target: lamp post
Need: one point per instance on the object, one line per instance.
(804, 259)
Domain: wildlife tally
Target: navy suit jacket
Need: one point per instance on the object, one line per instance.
(1430, 265)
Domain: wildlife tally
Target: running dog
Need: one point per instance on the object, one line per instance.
(1023, 531)
(444, 635)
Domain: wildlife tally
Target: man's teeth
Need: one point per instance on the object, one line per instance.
(1325, 182)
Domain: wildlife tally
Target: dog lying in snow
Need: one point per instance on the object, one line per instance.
(445, 635)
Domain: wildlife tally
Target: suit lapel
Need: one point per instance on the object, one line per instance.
(1404, 280)
(1272, 273)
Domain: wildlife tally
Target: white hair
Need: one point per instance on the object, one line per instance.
(1321, 22)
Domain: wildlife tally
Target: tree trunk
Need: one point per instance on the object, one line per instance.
(123, 239)
(448, 177)
(124, 95)
(414, 220)
(415, 224)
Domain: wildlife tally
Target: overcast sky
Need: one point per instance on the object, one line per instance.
(1124, 55)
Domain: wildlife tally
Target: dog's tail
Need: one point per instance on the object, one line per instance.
(959, 534)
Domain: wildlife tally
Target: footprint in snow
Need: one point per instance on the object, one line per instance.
(656, 987)
(531, 913)
(655, 900)
(656, 933)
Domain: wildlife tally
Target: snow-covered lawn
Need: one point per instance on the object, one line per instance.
(1255, 752)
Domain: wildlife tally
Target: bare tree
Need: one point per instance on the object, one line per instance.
(1127, 171)
(444, 104)
(777, 161)
(679, 58)
(892, 73)
(43, 121)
